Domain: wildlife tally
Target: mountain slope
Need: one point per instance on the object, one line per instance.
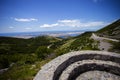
(19, 56)
(81, 42)
(19, 45)
(85, 42)
(111, 31)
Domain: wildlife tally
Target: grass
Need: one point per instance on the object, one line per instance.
(64, 48)
(21, 52)
(67, 44)
(23, 71)
(82, 42)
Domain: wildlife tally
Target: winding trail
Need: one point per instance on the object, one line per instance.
(104, 44)
(103, 38)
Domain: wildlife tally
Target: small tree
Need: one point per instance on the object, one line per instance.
(42, 52)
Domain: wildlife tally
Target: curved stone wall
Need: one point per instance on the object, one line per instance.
(71, 65)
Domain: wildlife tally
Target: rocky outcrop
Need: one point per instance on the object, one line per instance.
(74, 65)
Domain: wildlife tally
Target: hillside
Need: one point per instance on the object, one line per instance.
(11, 45)
(106, 40)
(81, 42)
(111, 31)
(24, 57)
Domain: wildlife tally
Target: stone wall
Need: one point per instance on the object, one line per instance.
(71, 65)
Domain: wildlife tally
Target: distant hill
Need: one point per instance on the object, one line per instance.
(111, 31)
(19, 45)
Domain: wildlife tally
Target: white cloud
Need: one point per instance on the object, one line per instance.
(28, 28)
(11, 27)
(49, 25)
(67, 21)
(70, 23)
(74, 23)
(25, 19)
(92, 24)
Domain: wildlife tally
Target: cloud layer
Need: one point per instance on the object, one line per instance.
(25, 19)
(49, 25)
(74, 23)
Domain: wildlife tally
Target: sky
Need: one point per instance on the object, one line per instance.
(57, 15)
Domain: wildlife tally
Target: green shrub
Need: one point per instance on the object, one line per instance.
(42, 52)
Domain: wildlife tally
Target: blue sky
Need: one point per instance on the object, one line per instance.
(56, 15)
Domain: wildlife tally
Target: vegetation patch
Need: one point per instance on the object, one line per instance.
(82, 42)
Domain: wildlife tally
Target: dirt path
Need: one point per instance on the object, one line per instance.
(103, 38)
(103, 45)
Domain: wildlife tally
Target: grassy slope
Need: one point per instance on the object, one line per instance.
(27, 64)
(16, 45)
(111, 30)
(81, 42)
(21, 53)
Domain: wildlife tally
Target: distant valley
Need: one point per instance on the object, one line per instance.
(26, 35)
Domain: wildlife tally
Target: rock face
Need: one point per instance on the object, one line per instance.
(82, 65)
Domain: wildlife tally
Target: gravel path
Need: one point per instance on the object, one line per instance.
(103, 45)
(103, 38)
